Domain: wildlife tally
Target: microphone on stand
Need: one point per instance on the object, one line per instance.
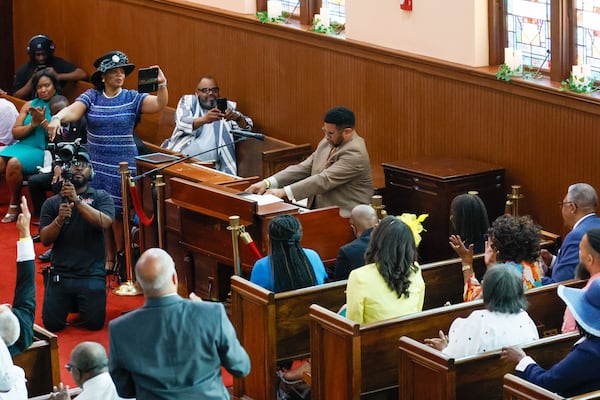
(537, 72)
(248, 134)
(182, 159)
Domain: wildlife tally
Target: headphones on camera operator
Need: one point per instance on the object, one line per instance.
(40, 42)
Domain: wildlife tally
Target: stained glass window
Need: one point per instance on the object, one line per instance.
(528, 28)
(291, 6)
(337, 10)
(588, 34)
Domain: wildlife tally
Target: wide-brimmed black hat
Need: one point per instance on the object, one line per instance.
(108, 61)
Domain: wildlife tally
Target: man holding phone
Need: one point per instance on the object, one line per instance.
(203, 125)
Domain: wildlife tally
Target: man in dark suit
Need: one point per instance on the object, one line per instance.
(16, 321)
(579, 371)
(337, 173)
(352, 255)
(172, 348)
(578, 210)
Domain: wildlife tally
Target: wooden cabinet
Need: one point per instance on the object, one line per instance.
(428, 185)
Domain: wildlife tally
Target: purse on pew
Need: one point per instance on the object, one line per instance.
(296, 389)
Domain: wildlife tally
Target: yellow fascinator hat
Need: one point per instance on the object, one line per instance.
(414, 223)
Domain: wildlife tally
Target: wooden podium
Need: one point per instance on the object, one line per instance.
(427, 186)
(199, 202)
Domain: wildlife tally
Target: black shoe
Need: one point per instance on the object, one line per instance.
(36, 238)
(45, 256)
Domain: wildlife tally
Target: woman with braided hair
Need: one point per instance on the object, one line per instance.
(289, 266)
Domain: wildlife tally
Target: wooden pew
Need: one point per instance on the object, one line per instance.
(273, 327)
(426, 371)
(19, 103)
(362, 360)
(73, 392)
(515, 388)
(286, 335)
(40, 362)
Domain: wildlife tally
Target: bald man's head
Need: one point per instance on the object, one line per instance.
(88, 359)
(155, 272)
(363, 217)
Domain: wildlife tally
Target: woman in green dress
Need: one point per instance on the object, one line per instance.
(24, 156)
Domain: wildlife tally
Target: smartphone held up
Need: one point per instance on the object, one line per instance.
(148, 80)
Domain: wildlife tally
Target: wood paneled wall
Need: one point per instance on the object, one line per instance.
(286, 79)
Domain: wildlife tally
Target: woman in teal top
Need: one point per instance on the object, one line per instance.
(23, 157)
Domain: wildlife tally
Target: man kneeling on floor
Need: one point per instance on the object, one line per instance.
(74, 221)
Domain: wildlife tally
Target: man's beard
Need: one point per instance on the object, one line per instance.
(208, 104)
(79, 182)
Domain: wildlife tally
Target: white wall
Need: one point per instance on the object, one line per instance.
(452, 30)
(240, 6)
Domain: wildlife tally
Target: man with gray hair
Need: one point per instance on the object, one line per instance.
(578, 210)
(352, 255)
(16, 320)
(88, 365)
(172, 348)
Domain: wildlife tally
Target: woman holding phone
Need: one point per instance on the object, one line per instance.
(111, 113)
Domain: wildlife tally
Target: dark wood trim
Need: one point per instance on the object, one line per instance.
(563, 39)
(496, 31)
(261, 5)
(7, 70)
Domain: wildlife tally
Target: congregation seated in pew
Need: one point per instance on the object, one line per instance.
(469, 220)
(578, 210)
(503, 322)
(512, 240)
(579, 371)
(352, 255)
(390, 284)
(589, 266)
(289, 266)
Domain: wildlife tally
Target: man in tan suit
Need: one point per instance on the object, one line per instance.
(337, 173)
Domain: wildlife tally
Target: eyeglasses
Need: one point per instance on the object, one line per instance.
(208, 90)
(561, 204)
(71, 367)
(325, 131)
(81, 163)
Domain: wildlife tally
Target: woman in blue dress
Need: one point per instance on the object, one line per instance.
(111, 112)
(24, 156)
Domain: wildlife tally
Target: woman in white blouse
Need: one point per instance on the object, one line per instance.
(504, 322)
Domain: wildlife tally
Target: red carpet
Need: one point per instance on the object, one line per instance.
(71, 336)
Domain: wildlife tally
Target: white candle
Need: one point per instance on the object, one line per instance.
(317, 19)
(586, 70)
(274, 8)
(325, 16)
(517, 59)
(577, 71)
(508, 57)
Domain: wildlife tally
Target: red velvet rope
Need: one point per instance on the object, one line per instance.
(137, 204)
(254, 250)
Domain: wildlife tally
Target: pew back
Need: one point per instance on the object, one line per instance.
(515, 388)
(40, 362)
(423, 369)
(273, 327)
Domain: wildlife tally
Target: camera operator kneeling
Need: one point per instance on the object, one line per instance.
(74, 221)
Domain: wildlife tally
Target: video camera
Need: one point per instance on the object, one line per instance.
(64, 154)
